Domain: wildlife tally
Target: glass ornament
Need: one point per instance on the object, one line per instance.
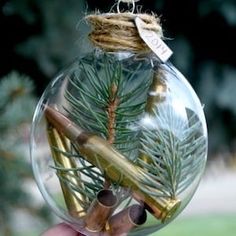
(119, 138)
(118, 143)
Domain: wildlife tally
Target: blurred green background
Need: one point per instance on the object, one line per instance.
(38, 38)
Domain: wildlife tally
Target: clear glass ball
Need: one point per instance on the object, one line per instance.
(118, 144)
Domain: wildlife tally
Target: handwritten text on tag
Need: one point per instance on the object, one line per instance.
(153, 41)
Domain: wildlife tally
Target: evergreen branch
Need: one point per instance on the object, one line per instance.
(90, 177)
(106, 98)
(88, 106)
(176, 148)
(83, 170)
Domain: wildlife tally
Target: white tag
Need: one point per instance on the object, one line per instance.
(153, 41)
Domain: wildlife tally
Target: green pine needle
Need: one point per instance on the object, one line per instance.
(176, 148)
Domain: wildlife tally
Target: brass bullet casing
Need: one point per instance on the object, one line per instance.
(100, 210)
(58, 145)
(156, 95)
(116, 167)
(126, 220)
(161, 208)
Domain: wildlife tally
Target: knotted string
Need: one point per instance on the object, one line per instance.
(118, 32)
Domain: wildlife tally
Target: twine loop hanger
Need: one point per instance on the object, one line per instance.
(129, 2)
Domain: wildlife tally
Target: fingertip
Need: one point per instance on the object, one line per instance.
(61, 230)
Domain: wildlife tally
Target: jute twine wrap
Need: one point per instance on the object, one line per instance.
(118, 32)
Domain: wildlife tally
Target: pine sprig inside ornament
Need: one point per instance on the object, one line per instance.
(92, 93)
(175, 148)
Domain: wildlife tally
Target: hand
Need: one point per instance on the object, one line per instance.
(61, 230)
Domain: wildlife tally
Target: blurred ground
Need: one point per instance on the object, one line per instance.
(216, 192)
(209, 225)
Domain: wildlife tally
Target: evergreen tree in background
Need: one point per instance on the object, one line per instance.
(16, 107)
